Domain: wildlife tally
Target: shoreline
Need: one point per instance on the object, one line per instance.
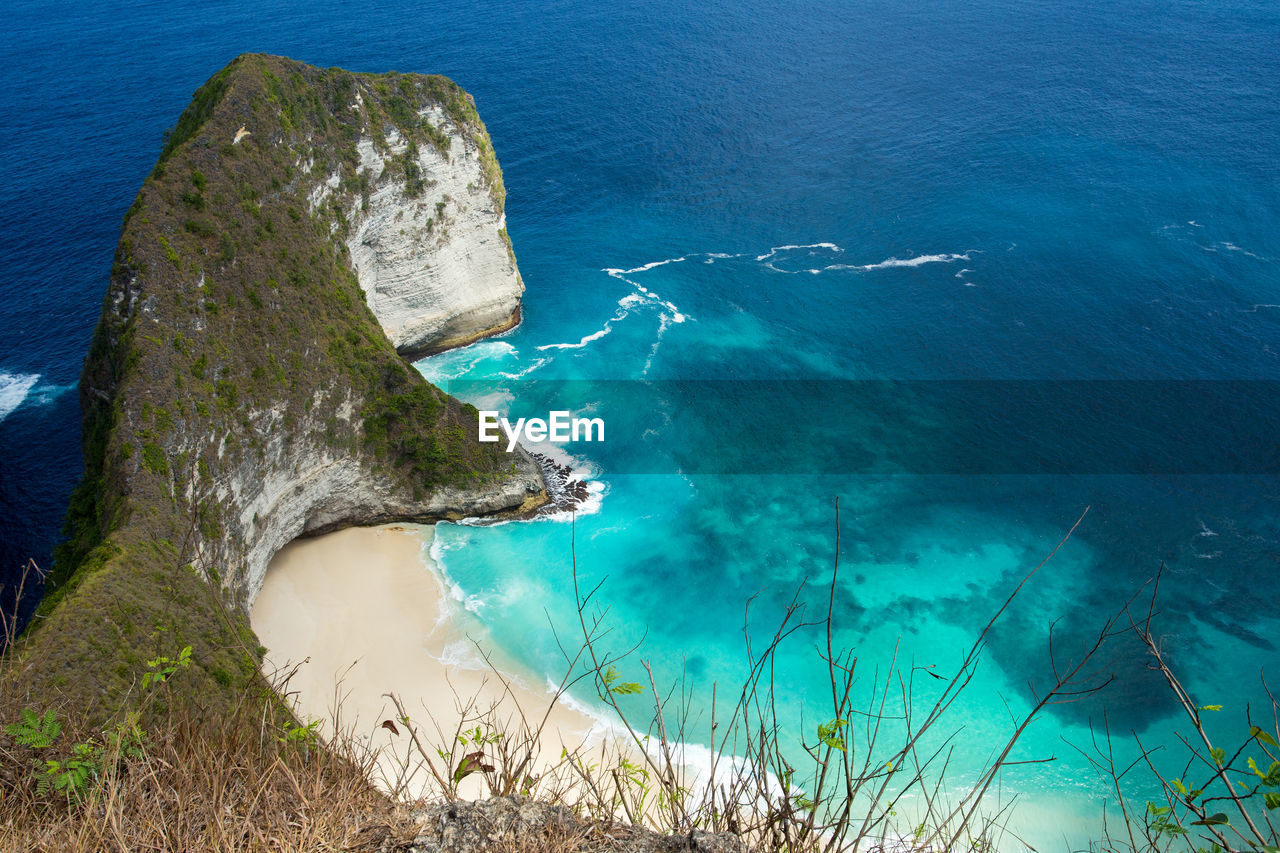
(364, 612)
(355, 615)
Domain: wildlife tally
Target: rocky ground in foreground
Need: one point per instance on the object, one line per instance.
(516, 823)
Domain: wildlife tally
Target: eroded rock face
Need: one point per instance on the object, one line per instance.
(433, 258)
(311, 490)
(241, 389)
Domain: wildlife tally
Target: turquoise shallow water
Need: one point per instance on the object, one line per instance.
(972, 191)
(925, 560)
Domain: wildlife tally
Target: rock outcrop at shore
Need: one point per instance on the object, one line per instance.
(242, 390)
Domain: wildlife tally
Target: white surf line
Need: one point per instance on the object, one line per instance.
(630, 301)
(625, 304)
(646, 267)
(663, 323)
(705, 257)
(792, 246)
(668, 313)
(676, 315)
(770, 256)
(523, 373)
(894, 263)
(917, 261)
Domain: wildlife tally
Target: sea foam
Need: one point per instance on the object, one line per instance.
(772, 253)
(768, 258)
(13, 391)
(646, 267)
(918, 260)
(668, 313)
(625, 304)
(439, 369)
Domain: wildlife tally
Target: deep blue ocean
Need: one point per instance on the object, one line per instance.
(782, 192)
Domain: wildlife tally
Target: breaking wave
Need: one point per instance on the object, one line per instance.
(455, 364)
(14, 389)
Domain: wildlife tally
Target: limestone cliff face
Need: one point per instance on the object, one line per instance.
(242, 389)
(436, 266)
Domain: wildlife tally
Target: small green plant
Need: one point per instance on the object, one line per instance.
(305, 734)
(829, 734)
(479, 737)
(35, 731)
(1160, 822)
(303, 737)
(153, 459)
(75, 774)
(169, 252)
(72, 777)
(633, 772)
(634, 786)
(612, 682)
(128, 739)
(163, 668)
(472, 761)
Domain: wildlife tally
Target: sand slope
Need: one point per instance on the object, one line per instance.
(362, 613)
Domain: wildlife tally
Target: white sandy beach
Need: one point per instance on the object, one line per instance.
(362, 613)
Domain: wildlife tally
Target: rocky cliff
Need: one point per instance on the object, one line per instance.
(433, 256)
(243, 386)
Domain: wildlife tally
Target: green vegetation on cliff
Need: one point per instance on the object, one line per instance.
(234, 338)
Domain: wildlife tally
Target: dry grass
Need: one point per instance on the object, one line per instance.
(168, 776)
(195, 783)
